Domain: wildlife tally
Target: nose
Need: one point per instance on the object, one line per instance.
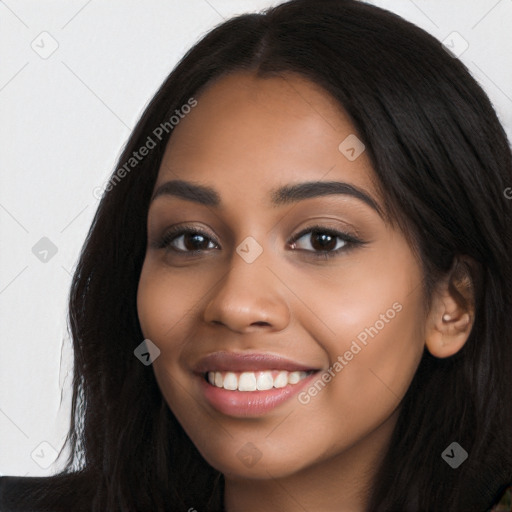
(249, 297)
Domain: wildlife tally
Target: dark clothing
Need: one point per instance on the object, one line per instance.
(73, 494)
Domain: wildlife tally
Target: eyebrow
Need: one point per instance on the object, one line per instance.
(287, 194)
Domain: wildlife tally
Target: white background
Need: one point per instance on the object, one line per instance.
(63, 122)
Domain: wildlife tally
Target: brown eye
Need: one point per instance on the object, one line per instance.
(186, 240)
(321, 240)
(324, 242)
(194, 241)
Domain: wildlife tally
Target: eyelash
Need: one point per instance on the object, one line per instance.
(351, 242)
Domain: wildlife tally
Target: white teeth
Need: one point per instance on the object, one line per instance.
(294, 377)
(247, 382)
(265, 381)
(252, 381)
(281, 380)
(230, 381)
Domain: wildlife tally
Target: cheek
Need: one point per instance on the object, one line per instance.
(166, 309)
(372, 332)
(163, 301)
(373, 368)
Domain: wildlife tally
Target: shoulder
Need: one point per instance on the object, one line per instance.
(56, 493)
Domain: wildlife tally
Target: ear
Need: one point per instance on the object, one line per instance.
(451, 316)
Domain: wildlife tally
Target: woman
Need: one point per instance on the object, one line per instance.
(295, 292)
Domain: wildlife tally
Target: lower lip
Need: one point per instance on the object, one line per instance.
(250, 403)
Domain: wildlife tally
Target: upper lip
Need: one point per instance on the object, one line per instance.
(239, 362)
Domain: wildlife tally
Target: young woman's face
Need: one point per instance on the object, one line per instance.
(352, 311)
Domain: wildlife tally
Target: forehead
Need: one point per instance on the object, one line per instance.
(249, 134)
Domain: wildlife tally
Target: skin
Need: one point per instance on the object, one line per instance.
(245, 137)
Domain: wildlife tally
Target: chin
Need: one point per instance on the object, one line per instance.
(244, 460)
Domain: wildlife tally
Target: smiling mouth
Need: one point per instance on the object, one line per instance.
(255, 380)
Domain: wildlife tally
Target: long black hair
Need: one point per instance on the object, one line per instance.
(443, 162)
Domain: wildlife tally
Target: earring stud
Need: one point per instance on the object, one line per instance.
(447, 317)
